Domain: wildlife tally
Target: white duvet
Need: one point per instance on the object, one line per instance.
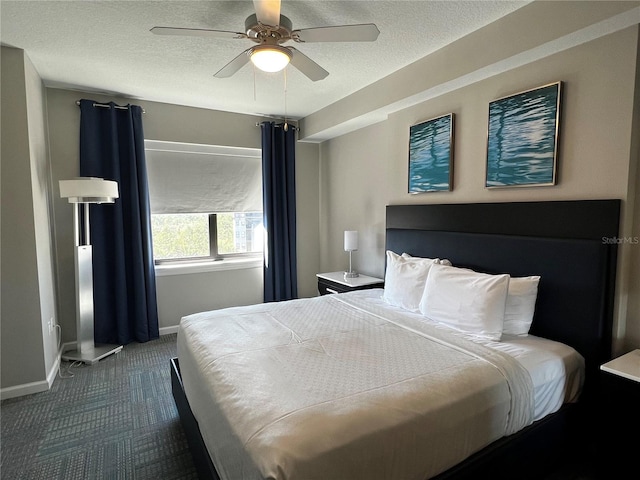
(346, 387)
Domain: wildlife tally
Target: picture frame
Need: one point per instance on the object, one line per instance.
(431, 155)
(522, 138)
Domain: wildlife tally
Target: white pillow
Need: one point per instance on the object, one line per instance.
(404, 280)
(465, 300)
(521, 303)
(442, 261)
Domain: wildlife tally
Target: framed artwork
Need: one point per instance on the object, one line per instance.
(431, 155)
(522, 139)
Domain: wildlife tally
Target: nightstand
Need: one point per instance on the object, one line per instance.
(620, 415)
(334, 282)
(627, 366)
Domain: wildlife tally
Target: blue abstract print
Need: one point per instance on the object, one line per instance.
(430, 155)
(521, 147)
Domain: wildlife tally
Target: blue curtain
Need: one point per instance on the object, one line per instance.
(279, 206)
(124, 284)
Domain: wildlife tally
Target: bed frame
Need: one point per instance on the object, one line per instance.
(570, 245)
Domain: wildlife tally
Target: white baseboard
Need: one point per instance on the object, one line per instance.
(51, 376)
(168, 330)
(24, 389)
(33, 387)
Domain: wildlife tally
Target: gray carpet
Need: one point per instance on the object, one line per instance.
(113, 420)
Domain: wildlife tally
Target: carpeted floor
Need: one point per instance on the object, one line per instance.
(113, 420)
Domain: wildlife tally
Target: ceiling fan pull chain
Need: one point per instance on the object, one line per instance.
(286, 126)
(254, 83)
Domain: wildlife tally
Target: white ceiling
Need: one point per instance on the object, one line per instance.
(105, 46)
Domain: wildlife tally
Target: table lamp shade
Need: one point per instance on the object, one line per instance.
(350, 240)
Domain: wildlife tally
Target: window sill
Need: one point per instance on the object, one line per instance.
(203, 267)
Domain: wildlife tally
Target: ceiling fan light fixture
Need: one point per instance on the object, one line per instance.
(270, 58)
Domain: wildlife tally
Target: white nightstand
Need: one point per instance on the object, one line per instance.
(627, 366)
(334, 282)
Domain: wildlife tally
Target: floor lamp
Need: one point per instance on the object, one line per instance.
(81, 192)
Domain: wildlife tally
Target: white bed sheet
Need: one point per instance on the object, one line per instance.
(556, 369)
(301, 434)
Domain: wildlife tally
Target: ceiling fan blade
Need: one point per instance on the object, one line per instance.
(196, 32)
(268, 12)
(307, 66)
(234, 65)
(366, 32)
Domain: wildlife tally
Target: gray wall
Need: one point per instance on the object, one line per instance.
(598, 156)
(27, 275)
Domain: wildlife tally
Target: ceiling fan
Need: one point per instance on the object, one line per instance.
(270, 30)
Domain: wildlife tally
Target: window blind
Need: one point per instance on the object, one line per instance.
(193, 178)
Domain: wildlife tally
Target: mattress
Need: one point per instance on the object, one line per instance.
(345, 386)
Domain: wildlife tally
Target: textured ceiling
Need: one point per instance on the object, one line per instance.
(106, 46)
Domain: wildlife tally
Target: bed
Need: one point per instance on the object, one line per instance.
(262, 390)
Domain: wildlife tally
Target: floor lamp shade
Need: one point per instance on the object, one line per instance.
(81, 192)
(89, 190)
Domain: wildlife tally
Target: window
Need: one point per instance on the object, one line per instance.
(206, 201)
(182, 236)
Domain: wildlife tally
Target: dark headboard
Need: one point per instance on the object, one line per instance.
(570, 244)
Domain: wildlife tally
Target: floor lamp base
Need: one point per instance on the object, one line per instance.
(91, 355)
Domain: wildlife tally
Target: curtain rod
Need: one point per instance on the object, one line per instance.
(280, 125)
(106, 105)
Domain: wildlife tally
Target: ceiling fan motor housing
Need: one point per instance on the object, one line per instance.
(257, 31)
